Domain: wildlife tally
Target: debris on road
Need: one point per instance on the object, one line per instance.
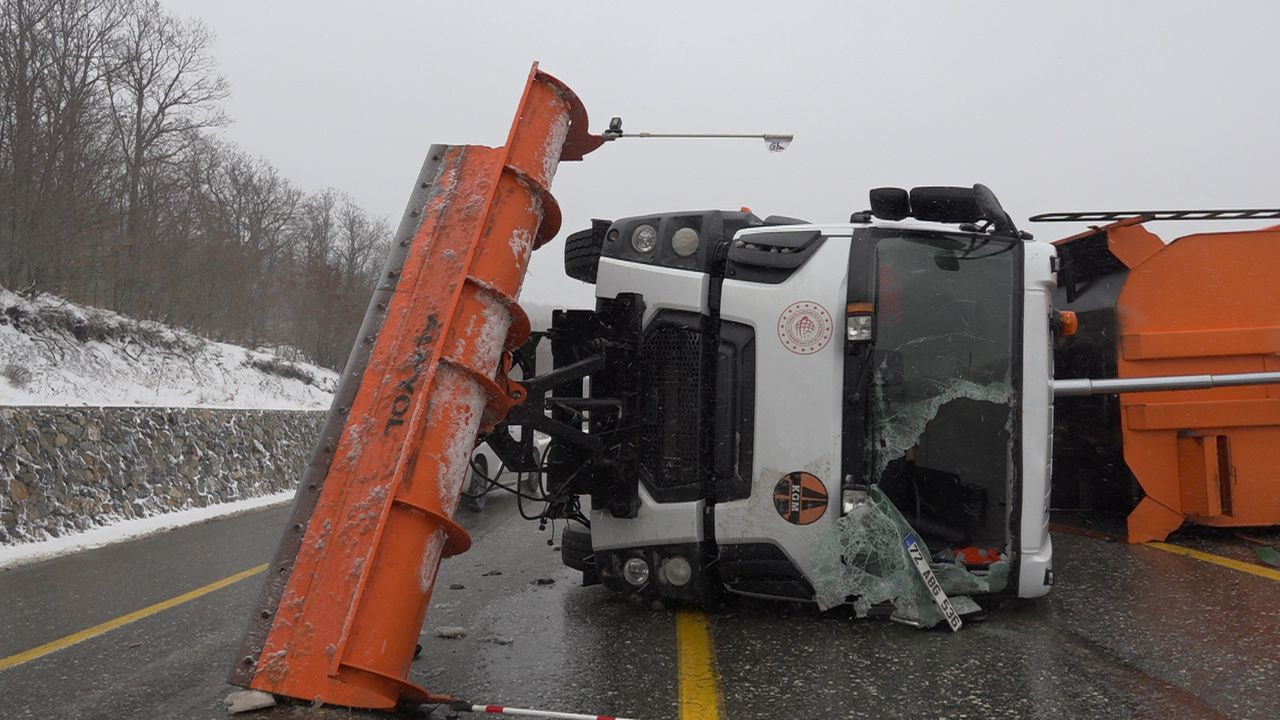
(544, 581)
(868, 558)
(1268, 555)
(243, 701)
(463, 706)
(451, 632)
(1265, 552)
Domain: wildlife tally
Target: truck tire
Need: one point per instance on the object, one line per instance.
(477, 486)
(582, 251)
(531, 485)
(575, 549)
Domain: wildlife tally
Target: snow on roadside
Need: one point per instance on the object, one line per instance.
(24, 553)
(56, 353)
(71, 355)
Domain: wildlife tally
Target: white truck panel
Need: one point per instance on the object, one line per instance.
(1037, 419)
(799, 429)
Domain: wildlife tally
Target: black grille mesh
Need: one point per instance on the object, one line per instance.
(671, 376)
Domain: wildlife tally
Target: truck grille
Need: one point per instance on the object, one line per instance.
(671, 380)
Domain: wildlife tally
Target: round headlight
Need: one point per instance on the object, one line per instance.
(644, 239)
(676, 571)
(685, 242)
(635, 571)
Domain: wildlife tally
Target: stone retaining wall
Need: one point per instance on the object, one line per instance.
(64, 469)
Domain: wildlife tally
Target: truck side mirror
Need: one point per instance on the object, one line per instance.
(890, 203)
(945, 204)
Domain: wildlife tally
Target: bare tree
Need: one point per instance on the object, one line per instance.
(163, 87)
(256, 209)
(75, 153)
(53, 159)
(316, 228)
(359, 240)
(112, 191)
(23, 61)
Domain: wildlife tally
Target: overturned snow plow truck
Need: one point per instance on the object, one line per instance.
(774, 407)
(851, 413)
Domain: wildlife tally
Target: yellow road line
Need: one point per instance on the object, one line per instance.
(108, 626)
(699, 683)
(1226, 562)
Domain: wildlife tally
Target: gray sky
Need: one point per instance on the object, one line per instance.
(1066, 106)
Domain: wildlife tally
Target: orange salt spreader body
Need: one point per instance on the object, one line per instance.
(1203, 304)
(347, 593)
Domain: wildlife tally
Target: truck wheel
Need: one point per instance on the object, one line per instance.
(575, 549)
(477, 486)
(531, 485)
(582, 251)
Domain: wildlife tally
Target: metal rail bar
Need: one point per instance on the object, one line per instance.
(1112, 215)
(1077, 387)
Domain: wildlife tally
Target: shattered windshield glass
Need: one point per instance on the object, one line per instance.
(940, 459)
(941, 410)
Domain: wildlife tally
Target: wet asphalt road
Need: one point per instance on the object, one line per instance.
(1128, 632)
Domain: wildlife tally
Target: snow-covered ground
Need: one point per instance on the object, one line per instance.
(53, 352)
(122, 530)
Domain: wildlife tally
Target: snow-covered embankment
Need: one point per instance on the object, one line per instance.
(111, 427)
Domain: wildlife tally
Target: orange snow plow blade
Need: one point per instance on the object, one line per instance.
(348, 591)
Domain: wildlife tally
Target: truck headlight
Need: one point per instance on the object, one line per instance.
(685, 242)
(857, 328)
(635, 571)
(850, 498)
(644, 239)
(676, 571)
(859, 322)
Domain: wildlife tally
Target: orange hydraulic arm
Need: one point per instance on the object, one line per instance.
(348, 591)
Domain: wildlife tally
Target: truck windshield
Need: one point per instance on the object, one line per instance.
(941, 415)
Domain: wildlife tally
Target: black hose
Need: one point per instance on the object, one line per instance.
(575, 512)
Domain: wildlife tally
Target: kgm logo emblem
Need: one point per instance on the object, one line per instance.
(800, 498)
(805, 327)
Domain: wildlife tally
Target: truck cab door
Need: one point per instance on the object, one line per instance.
(778, 473)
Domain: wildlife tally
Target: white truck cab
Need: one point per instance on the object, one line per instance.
(771, 380)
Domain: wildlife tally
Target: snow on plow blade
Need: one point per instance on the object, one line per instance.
(347, 593)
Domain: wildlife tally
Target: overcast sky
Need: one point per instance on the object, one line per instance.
(1066, 106)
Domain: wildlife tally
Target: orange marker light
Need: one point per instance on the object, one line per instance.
(1068, 323)
(859, 322)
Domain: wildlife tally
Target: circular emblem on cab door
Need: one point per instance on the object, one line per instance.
(805, 327)
(800, 498)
